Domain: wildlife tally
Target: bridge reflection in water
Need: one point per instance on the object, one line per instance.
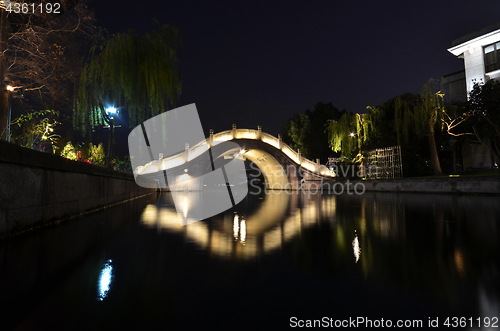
(242, 234)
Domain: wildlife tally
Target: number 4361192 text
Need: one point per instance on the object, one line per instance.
(33, 8)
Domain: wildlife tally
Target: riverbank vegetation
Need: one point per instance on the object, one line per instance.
(432, 134)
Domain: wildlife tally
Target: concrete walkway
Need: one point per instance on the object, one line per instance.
(461, 185)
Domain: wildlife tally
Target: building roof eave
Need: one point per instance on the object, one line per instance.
(483, 40)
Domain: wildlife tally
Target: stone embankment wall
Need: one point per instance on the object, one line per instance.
(38, 188)
(461, 185)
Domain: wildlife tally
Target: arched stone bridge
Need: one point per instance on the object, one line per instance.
(280, 165)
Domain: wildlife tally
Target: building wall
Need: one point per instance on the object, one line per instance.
(474, 67)
(476, 156)
(455, 88)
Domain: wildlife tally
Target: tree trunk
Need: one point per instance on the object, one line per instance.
(4, 95)
(110, 143)
(436, 166)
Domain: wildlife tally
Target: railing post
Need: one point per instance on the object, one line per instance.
(280, 143)
(234, 131)
(299, 156)
(259, 132)
(317, 165)
(211, 138)
(186, 153)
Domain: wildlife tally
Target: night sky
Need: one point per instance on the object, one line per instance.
(259, 62)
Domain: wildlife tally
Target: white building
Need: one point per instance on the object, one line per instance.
(480, 51)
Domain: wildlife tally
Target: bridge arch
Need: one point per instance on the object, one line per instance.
(275, 175)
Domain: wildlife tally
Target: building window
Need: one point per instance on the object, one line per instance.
(492, 57)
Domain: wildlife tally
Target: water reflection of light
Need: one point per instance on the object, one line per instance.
(105, 279)
(355, 247)
(258, 233)
(272, 239)
(236, 227)
(239, 229)
(291, 227)
(185, 207)
(458, 256)
(199, 233)
(243, 232)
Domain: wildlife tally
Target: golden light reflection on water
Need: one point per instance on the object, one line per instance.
(458, 257)
(355, 247)
(243, 232)
(236, 227)
(379, 231)
(278, 219)
(185, 208)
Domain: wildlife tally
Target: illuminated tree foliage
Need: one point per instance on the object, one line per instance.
(141, 72)
(40, 56)
(307, 132)
(34, 128)
(69, 152)
(421, 117)
(351, 132)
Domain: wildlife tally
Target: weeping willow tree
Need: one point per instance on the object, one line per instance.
(141, 72)
(348, 134)
(420, 117)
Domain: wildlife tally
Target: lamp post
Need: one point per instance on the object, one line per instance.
(10, 89)
(110, 112)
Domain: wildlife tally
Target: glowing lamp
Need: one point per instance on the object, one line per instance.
(111, 111)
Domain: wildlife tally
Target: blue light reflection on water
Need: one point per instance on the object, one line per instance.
(105, 279)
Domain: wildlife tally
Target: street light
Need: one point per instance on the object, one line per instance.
(10, 89)
(110, 112)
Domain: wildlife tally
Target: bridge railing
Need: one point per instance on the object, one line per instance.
(172, 161)
(215, 139)
(271, 140)
(309, 165)
(247, 134)
(197, 150)
(222, 136)
(290, 153)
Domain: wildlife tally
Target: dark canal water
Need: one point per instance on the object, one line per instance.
(277, 260)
